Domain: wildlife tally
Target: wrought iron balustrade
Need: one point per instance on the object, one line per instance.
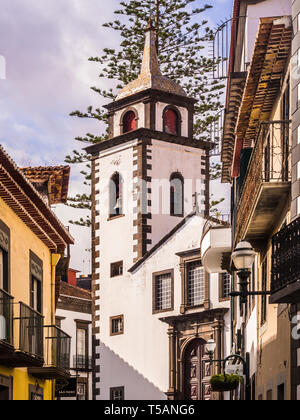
(270, 163)
(57, 348)
(83, 363)
(6, 318)
(286, 257)
(29, 328)
(223, 44)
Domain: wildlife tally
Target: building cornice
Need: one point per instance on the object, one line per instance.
(145, 133)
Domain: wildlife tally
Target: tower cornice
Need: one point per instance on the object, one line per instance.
(145, 133)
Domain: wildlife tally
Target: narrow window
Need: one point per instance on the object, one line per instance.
(36, 301)
(280, 392)
(176, 195)
(117, 394)
(195, 284)
(264, 278)
(163, 291)
(116, 269)
(81, 348)
(4, 257)
(225, 286)
(116, 197)
(36, 282)
(129, 122)
(117, 325)
(171, 122)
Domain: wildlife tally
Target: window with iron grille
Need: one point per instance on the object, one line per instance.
(117, 394)
(225, 285)
(195, 284)
(163, 291)
(116, 269)
(117, 325)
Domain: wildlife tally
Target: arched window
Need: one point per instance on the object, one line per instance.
(129, 122)
(116, 195)
(176, 195)
(172, 121)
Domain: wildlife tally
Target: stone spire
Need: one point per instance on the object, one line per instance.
(150, 60)
(150, 76)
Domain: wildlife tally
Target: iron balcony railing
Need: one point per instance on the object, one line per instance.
(286, 257)
(6, 318)
(29, 325)
(223, 44)
(83, 363)
(57, 348)
(270, 162)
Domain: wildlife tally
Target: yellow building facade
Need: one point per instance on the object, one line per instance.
(33, 352)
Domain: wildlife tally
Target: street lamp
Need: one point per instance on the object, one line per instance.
(243, 257)
(210, 348)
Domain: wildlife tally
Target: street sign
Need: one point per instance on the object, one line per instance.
(234, 370)
(70, 390)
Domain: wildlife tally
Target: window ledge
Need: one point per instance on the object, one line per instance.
(115, 217)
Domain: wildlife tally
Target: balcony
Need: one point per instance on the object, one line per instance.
(82, 363)
(265, 193)
(24, 335)
(216, 244)
(285, 280)
(6, 324)
(57, 347)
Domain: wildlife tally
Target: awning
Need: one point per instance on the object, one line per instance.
(269, 61)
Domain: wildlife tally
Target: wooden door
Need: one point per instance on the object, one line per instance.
(4, 393)
(197, 372)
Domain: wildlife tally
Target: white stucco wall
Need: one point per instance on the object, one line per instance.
(138, 359)
(176, 158)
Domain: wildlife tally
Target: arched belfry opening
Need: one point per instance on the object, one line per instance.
(176, 195)
(115, 195)
(172, 121)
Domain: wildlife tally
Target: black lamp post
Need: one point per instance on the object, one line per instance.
(243, 258)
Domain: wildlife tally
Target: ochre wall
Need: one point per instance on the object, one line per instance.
(22, 241)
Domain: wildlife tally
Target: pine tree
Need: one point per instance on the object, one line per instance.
(183, 38)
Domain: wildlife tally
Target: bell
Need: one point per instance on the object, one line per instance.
(118, 204)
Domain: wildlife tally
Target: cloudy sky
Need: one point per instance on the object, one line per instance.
(46, 45)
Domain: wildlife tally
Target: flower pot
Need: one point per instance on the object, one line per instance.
(224, 383)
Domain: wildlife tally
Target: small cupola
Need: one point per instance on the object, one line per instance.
(150, 76)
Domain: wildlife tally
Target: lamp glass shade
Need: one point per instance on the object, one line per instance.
(211, 346)
(243, 256)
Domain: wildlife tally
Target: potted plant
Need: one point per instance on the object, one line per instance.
(224, 382)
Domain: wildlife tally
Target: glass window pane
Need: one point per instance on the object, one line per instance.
(81, 342)
(163, 292)
(196, 284)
